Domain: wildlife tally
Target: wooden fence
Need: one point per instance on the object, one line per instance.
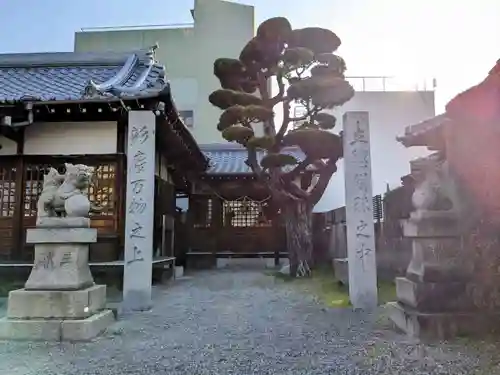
(393, 250)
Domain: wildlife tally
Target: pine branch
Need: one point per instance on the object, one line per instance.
(281, 91)
(286, 111)
(253, 163)
(294, 173)
(290, 191)
(325, 175)
(269, 128)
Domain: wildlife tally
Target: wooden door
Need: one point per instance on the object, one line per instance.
(7, 208)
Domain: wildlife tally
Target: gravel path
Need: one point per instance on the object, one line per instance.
(238, 323)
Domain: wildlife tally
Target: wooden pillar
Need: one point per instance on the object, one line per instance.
(120, 182)
(18, 222)
(216, 226)
(190, 221)
(279, 232)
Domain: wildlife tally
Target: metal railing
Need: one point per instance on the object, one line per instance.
(388, 83)
(137, 27)
(360, 83)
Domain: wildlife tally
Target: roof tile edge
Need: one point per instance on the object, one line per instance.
(53, 59)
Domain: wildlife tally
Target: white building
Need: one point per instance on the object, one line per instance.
(221, 29)
(391, 108)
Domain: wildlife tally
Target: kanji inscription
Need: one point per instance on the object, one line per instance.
(139, 224)
(359, 210)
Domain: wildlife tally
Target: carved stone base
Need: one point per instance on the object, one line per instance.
(431, 224)
(341, 270)
(54, 329)
(436, 260)
(433, 297)
(53, 304)
(442, 325)
(61, 258)
(63, 222)
(56, 315)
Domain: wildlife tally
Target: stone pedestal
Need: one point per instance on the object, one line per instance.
(60, 300)
(433, 298)
(178, 272)
(61, 258)
(341, 270)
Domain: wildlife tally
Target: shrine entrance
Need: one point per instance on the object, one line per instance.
(238, 227)
(232, 214)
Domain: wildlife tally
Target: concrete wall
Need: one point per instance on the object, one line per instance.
(63, 138)
(220, 29)
(390, 112)
(70, 138)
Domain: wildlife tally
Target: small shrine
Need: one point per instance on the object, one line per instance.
(231, 213)
(87, 108)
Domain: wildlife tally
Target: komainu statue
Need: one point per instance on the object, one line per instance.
(434, 188)
(51, 182)
(66, 195)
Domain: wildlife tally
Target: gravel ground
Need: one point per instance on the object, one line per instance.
(240, 323)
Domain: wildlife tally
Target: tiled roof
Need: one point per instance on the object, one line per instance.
(229, 158)
(414, 132)
(72, 76)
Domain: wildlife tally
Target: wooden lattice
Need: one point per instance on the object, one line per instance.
(33, 182)
(7, 191)
(244, 213)
(202, 212)
(101, 191)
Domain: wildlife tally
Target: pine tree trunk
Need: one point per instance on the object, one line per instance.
(298, 225)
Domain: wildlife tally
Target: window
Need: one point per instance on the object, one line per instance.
(244, 213)
(101, 190)
(7, 191)
(33, 185)
(187, 118)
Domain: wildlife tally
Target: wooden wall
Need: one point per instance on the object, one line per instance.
(393, 250)
(164, 217)
(18, 206)
(238, 226)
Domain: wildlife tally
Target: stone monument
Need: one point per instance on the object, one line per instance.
(361, 262)
(432, 298)
(139, 221)
(60, 300)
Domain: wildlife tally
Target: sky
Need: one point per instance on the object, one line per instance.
(454, 41)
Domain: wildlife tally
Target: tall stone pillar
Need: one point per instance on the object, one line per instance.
(362, 266)
(139, 220)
